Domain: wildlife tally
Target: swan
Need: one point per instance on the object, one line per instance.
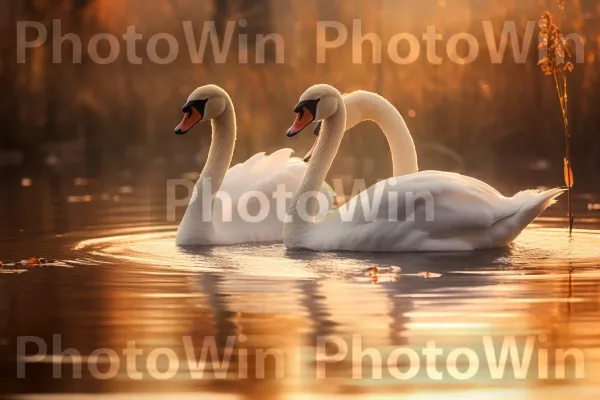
(251, 196)
(420, 211)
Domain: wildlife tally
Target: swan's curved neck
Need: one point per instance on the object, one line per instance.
(304, 205)
(196, 227)
(367, 106)
(221, 149)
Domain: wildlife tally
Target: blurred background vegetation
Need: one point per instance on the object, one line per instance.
(493, 121)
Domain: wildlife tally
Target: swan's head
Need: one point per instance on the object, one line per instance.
(346, 97)
(318, 103)
(205, 103)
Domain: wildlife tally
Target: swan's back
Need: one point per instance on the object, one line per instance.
(433, 211)
(261, 175)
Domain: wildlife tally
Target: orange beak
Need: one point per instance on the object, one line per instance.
(303, 119)
(189, 120)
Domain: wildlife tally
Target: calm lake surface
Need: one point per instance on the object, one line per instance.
(115, 277)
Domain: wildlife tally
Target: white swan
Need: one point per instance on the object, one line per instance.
(422, 211)
(251, 201)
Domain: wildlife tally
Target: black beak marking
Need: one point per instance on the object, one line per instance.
(310, 105)
(199, 105)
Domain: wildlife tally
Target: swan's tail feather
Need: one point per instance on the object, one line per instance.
(553, 195)
(530, 203)
(542, 198)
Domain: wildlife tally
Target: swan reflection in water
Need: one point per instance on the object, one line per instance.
(286, 300)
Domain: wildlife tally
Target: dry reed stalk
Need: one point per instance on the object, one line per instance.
(557, 62)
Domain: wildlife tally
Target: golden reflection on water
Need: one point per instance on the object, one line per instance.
(144, 289)
(476, 394)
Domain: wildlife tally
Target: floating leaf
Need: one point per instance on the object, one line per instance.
(568, 174)
(33, 261)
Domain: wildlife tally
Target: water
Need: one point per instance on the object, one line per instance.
(116, 277)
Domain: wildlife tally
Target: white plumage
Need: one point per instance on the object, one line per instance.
(417, 211)
(237, 205)
(431, 211)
